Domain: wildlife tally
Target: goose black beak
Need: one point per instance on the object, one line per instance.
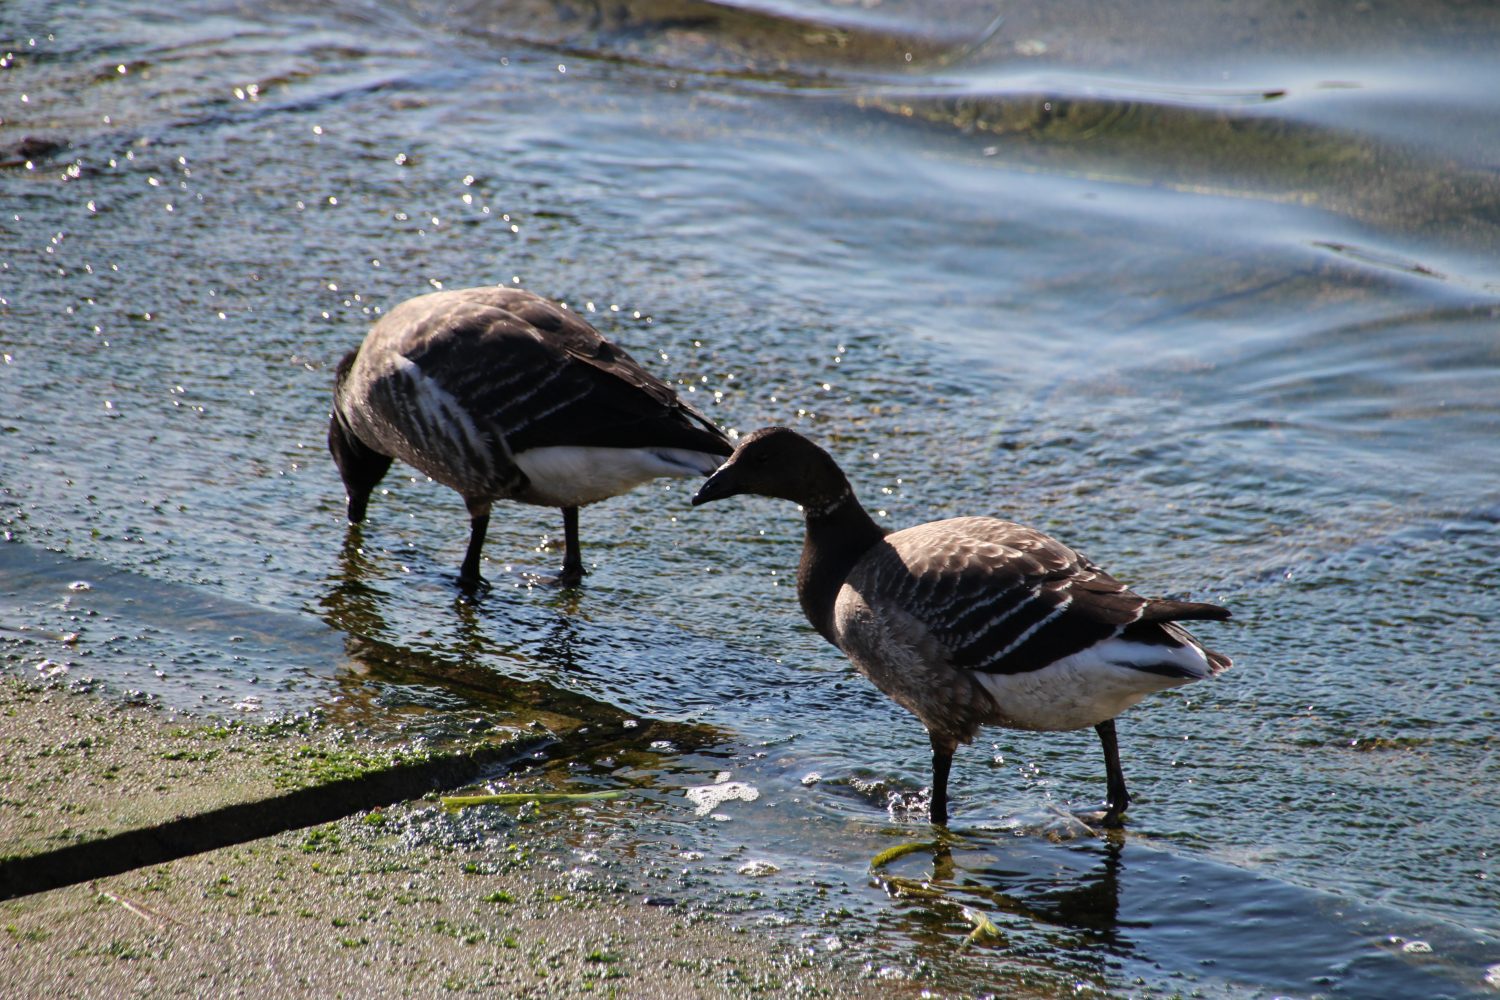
(716, 487)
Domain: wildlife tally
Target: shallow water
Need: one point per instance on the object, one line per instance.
(1212, 298)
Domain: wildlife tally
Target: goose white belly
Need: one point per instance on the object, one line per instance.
(1088, 687)
(569, 476)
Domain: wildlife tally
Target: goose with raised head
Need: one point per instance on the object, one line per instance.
(499, 393)
(971, 621)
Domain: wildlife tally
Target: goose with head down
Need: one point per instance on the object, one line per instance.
(971, 621)
(501, 394)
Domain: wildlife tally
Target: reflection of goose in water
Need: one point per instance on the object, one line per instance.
(971, 621)
(494, 668)
(501, 394)
(1005, 892)
(1085, 899)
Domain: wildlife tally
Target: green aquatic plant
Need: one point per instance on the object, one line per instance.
(890, 854)
(453, 803)
(933, 889)
(984, 927)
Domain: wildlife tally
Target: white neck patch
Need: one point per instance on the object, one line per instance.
(830, 507)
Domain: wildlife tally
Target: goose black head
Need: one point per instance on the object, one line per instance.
(778, 462)
(360, 466)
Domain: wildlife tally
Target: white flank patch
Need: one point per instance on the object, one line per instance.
(1088, 687)
(964, 598)
(566, 476)
(442, 411)
(1033, 630)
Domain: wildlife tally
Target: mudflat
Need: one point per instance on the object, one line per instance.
(363, 905)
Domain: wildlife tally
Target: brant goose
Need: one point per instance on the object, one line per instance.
(971, 621)
(501, 394)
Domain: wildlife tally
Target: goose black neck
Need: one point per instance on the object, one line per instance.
(838, 535)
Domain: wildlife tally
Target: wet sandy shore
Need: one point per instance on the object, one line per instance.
(360, 906)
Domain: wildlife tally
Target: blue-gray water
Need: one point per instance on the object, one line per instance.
(1211, 295)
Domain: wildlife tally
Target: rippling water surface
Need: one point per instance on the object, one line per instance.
(1211, 296)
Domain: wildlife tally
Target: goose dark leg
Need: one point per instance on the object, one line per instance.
(1118, 798)
(468, 574)
(572, 568)
(942, 763)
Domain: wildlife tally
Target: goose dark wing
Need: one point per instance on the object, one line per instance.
(999, 597)
(413, 388)
(549, 378)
